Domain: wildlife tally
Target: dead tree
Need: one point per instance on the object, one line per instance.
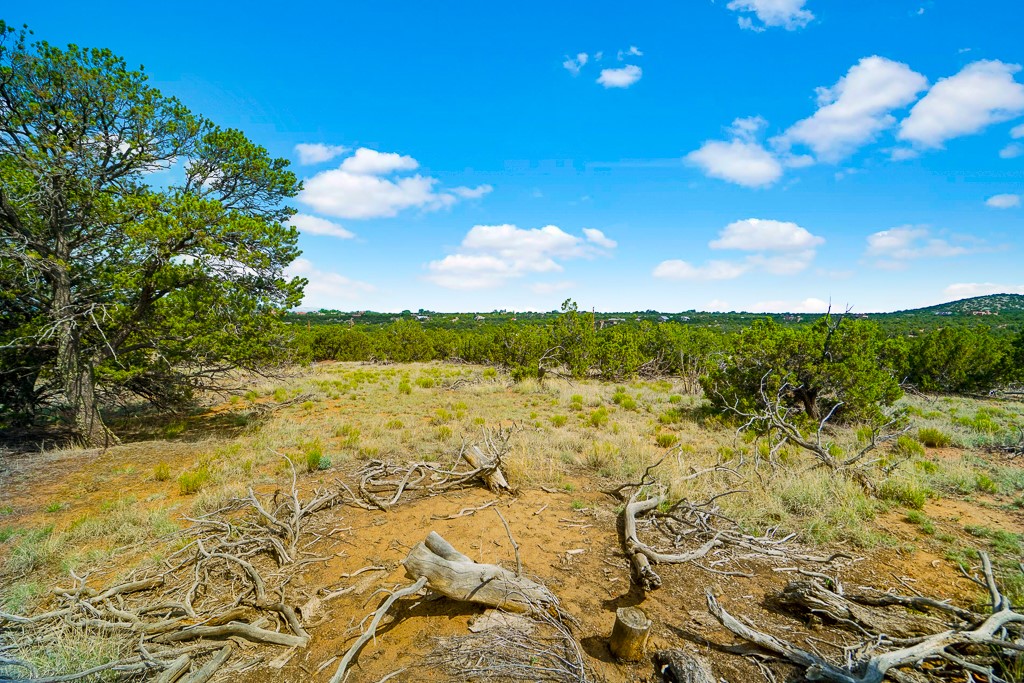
(775, 418)
(458, 577)
(970, 644)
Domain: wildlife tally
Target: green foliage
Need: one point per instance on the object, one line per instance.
(190, 482)
(313, 452)
(575, 337)
(599, 417)
(907, 447)
(906, 492)
(188, 275)
(831, 366)
(666, 439)
(933, 437)
(559, 420)
(959, 360)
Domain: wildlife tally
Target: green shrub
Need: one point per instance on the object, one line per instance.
(280, 395)
(903, 491)
(190, 482)
(404, 387)
(313, 452)
(666, 439)
(425, 382)
(162, 472)
(443, 433)
(984, 483)
(599, 417)
(934, 438)
(675, 398)
(394, 424)
(907, 447)
(559, 420)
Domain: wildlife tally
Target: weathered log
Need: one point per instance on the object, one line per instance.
(175, 670)
(491, 473)
(210, 668)
(456, 576)
(641, 555)
(629, 634)
(234, 628)
(676, 666)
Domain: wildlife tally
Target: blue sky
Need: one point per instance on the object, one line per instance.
(754, 155)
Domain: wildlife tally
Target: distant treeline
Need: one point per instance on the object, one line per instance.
(952, 359)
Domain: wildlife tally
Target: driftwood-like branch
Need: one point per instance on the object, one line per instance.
(371, 631)
(957, 644)
(456, 576)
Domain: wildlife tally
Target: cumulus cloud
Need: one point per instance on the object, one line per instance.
(789, 14)
(492, 255)
(574, 64)
(365, 185)
(316, 153)
(371, 162)
(782, 248)
(739, 161)
(1017, 132)
(853, 111)
(756, 234)
(313, 225)
(597, 237)
(892, 249)
(620, 78)
(982, 93)
(965, 290)
(326, 289)
(1003, 201)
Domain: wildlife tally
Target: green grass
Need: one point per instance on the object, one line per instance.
(933, 437)
(905, 491)
(190, 482)
(920, 519)
(162, 472)
(666, 439)
(313, 453)
(559, 420)
(56, 506)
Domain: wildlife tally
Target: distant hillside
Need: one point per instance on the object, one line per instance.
(994, 303)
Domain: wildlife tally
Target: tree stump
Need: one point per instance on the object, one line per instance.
(629, 635)
(456, 576)
(675, 666)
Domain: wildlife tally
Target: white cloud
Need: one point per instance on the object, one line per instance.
(1003, 201)
(598, 238)
(747, 128)
(982, 93)
(371, 162)
(313, 225)
(903, 153)
(741, 162)
(491, 255)
(326, 289)
(1017, 132)
(357, 188)
(893, 248)
(350, 195)
(782, 248)
(757, 234)
(472, 192)
(677, 269)
(790, 14)
(966, 290)
(633, 51)
(1012, 151)
(620, 78)
(853, 111)
(574, 64)
(316, 153)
